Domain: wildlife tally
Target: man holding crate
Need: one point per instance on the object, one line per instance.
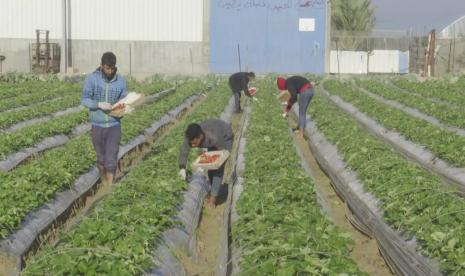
(102, 89)
(213, 134)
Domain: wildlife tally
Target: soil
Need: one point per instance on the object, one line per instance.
(365, 250)
(89, 200)
(125, 167)
(211, 225)
(208, 240)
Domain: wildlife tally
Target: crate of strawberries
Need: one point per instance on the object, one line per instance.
(210, 160)
(252, 90)
(127, 104)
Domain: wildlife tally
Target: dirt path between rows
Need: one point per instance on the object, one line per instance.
(90, 200)
(365, 249)
(211, 225)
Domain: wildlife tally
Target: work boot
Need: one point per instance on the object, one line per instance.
(212, 201)
(103, 174)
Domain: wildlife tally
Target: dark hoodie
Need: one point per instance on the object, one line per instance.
(294, 85)
(239, 82)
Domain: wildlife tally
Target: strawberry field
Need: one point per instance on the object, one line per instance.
(381, 162)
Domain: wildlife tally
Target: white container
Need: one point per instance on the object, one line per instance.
(127, 104)
(216, 164)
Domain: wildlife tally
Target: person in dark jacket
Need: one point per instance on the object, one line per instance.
(239, 82)
(102, 89)
(213, 134)
(300, 88)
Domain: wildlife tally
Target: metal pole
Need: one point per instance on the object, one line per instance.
(37, 47)
(433, 53)
(65, 29)
(453, 52)
(368, 57)
(47, 52)
(130, 59)
(30, 57)
(337, 58)
(328, 37)
(417, 57)
(239, 55)
(192, 60)
(69, 34)
(450, 53)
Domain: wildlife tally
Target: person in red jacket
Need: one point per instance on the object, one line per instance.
(300, 88)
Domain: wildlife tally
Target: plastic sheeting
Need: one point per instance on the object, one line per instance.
(153, 98)
(15, 127)
(399, 253)
(184, 236)
(81, 129)
(232, 264)
(222, 264)
(16, 245)
(412, 151)
(16, 158)
(393, 86)
(414, 112)
(321, 200)
(34, 121)
(22, 107)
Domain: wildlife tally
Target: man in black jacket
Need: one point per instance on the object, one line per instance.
(297, 85)
(213, 134)
(239, 82)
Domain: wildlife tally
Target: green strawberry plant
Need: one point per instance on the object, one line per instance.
(120, 234)
(48, 91)
(442, 143)
(33, 184)
(39, 110)
(414, 201)
(11, 142)
(281, 228)
(434, 89)
(449, 115)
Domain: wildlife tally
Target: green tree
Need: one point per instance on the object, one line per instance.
(350, 18)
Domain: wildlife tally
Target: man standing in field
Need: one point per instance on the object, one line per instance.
(213, 134)
(102, 89)
(239, 82)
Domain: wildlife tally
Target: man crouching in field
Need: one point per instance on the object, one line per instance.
(213, 134)
(102, 89)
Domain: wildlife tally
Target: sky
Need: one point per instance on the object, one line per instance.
(417, 16)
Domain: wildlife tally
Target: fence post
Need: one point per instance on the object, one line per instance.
(239, 55)
(192, 60)
(130, 59)
(337, 58)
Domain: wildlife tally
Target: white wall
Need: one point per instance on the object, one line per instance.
(384, 61)
(348, 62)
(142, 20)
(130, 20)
(379, 61)
(20, 18)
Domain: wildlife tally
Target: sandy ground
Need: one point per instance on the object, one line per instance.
(365, 249)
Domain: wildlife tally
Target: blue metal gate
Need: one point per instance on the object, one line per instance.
(266, 36)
